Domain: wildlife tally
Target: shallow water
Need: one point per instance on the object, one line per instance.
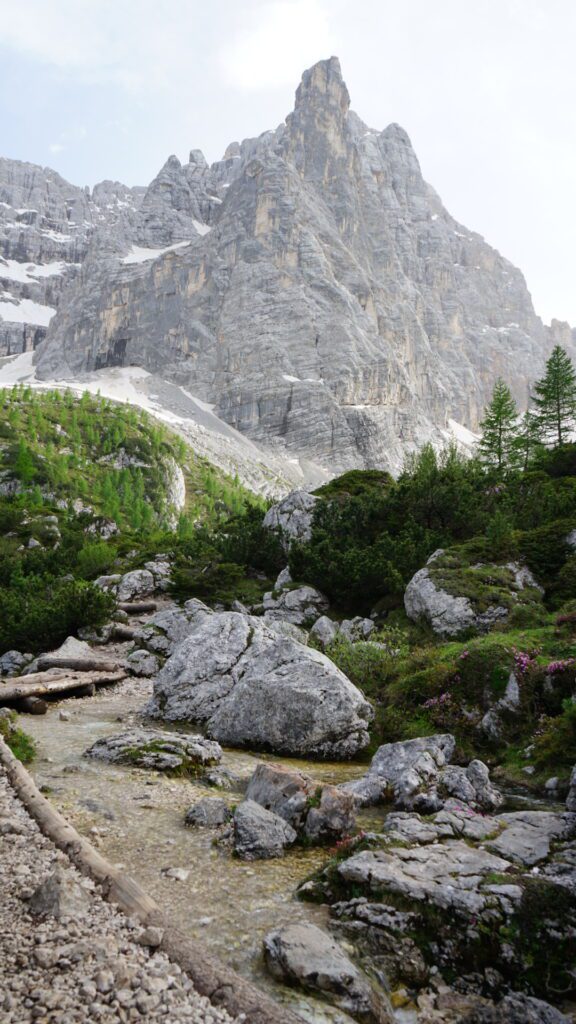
(226, 903)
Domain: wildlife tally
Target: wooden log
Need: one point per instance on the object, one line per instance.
(121, 632)
(33, 706)
(95, 664)
(138, 608)
(221, 985)
(54, 681)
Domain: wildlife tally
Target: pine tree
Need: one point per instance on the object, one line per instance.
(498, 445)
(555, 398)
(529, 438)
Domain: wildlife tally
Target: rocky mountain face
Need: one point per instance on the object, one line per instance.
(310, 286)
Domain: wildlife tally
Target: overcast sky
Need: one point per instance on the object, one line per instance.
(485, 88)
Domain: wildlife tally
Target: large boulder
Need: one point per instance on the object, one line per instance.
(291, 518)
(301, 606)
(260, 834)
(249, 686)
(454, 598)
(302, 954)
(167, 628)
(163, 751)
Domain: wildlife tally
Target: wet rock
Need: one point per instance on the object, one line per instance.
(59, 896)
(162, 751)
(300, 606)
(259, 834)
(304, 955)
(143, 663)
(282, 790)
(332, 818)
(291, 518)
(252, 687)
(208, 813)
(320, 813)
(403, 771)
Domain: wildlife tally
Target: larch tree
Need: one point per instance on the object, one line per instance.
(498, 445)
(555, 398)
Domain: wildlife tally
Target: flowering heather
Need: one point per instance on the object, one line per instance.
(555, 667)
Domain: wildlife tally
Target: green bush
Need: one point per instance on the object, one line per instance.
(37, 615)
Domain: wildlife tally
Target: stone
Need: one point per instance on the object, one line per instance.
(284, 579)
(292, 518)
(516, 1008)
(571, 798)
(303, 954)
(135, 585)
(249, 686)
(356, 629)
(143, 663)
(527, 836)
(210, 812)
(153, 749)
(150, 936)
(167, 628)
(451, 615)
(403, 771)
(446, 875)
(178, 874)
(260, 834)
(282, 790)
(471, 785)
(59, 896)
(12, 663)
(324, 631)
(332, 818)
(300, 606)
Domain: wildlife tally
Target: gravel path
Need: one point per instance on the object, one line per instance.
(86, 968)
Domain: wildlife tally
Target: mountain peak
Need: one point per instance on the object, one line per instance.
(321, 84)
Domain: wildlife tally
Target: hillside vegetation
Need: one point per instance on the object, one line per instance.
(88, 487)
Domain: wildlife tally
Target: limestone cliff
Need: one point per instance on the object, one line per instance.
(312, 287)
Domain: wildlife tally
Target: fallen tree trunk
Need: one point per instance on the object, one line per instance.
(220, 984)
(137, 608)
(54, 681)
(83, 664)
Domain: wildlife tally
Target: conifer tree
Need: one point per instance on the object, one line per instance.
(555, 398)
(529, 438)
(498, 445)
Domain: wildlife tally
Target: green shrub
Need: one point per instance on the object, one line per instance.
(37, 615)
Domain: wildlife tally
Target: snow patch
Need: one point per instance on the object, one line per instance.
(138, 254)
(201, 228)
(27, 273)
(25, 311)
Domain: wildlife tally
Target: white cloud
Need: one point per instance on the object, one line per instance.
(56, 147)
(283, 37)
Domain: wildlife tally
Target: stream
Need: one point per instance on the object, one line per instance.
(136, 818)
